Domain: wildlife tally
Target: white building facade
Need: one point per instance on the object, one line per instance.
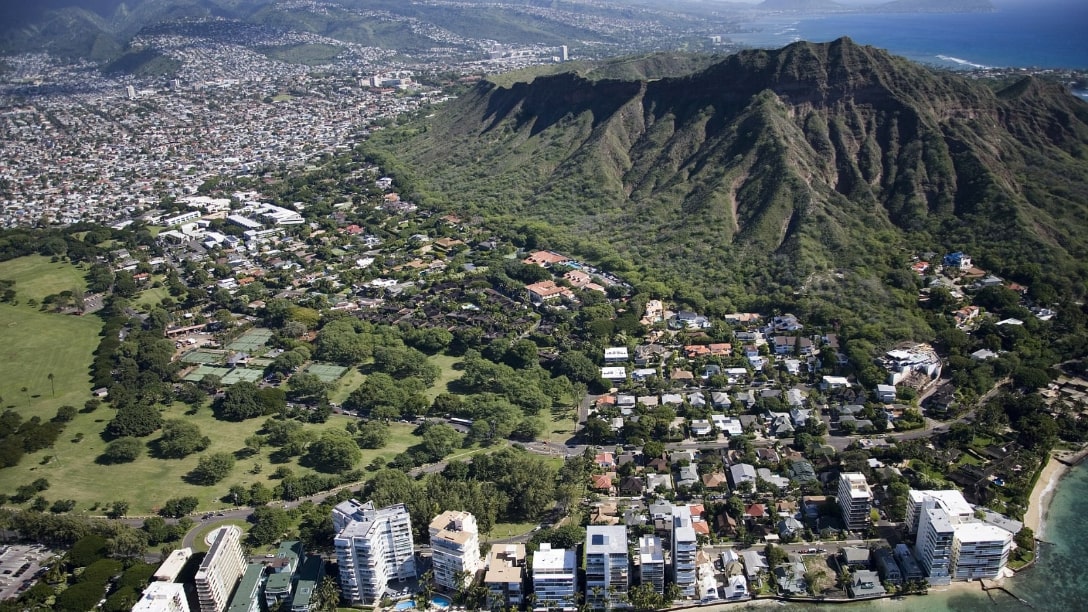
(220, 570)
(855, 500)
(555, 579)
(607, 565)
(684, 551)
(455, 542)
(373, 546)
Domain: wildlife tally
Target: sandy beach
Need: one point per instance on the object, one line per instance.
(1035, 517)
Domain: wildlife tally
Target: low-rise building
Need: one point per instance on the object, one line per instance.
(505, 575)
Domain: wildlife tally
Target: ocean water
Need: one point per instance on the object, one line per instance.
(1058, 582)
(1020, 33)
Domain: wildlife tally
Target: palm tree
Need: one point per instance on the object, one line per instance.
(52, 386)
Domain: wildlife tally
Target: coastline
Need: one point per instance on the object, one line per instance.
(1043, 491)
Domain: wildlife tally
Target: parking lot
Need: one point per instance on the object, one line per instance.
(19, 566)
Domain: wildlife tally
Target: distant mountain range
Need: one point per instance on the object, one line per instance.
(102, 29)
(777, 167)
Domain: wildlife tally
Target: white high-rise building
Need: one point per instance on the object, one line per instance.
(220, 570)
(952, 544)
(607, 565)
(684, 551)
(130, 92)
(651, 562)
(855, 500)
(555, 579)
(936, 534)
(563, 53)
(455, 541)
(981, 550)
(162, 597)
(373, 546)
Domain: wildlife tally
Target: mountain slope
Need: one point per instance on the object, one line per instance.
(814, 157)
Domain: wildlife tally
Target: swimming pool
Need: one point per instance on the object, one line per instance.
(405, 605)
(441, 601)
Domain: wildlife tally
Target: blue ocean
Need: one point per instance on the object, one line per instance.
(1020, 33)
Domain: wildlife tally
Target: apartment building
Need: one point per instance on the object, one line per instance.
(505, 575)
(455, 542)
(373, 547)
(607, 565)
(855, 500)
(651, 562)
(555, 579)
(220, 570)
(684, 551)
(952, 544)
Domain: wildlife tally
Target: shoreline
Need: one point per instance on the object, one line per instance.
(1042, 493)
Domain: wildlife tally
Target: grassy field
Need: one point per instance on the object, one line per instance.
(502, 531)
(449, 374)
(35, 344)
(148, 482)
(151, 296)
(559, 426)
(36, 277)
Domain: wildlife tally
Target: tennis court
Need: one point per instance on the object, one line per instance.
(240, 374)
(198, 374)
(250, 341)
(199, 356)
(327, 372)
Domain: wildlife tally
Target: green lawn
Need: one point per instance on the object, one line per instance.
(448, 375)
(502, 531)
(559, 425)
(36, 277)
(199, 545)
(152, 296)
(36, 344)
(347, 383)
(148, 482)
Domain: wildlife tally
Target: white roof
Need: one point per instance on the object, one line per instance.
(981, 532)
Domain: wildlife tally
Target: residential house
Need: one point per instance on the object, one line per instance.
(688, 476)
(791, 578)
(886, 565)
(790, 527)
(885, 394)
(701, 427)
(547, 291)
(715, 480)
(854, 557)
(730, 426)
(755, 563)
(865, 584)
(741, 473)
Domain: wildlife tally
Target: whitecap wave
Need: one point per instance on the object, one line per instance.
(961, 62)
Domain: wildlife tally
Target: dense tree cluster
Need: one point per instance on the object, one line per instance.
(19, 436)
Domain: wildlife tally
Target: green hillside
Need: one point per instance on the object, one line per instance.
(813, 170)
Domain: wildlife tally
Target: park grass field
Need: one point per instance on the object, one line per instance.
(148, 482)
(35, 344)
(36, 276)
(151, 296)
(448, 375)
